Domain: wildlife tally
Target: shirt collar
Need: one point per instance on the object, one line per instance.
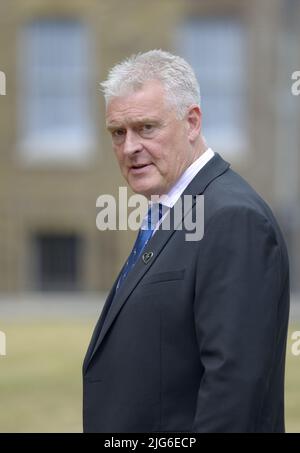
(181, 184)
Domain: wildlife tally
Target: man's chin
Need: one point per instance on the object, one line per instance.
(147, 190)
(142, 191)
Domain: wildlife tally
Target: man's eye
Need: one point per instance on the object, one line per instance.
(147, 128)
(118, 133)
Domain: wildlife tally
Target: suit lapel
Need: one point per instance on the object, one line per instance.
(213, 169)
(155, 245)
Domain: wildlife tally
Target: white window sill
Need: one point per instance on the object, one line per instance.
(34, 153)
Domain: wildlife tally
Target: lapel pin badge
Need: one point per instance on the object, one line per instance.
(147, 257)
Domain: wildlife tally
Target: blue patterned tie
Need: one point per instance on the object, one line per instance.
(142, 239)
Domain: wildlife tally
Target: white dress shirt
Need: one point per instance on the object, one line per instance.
(175, 192)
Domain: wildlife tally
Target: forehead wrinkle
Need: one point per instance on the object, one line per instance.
(137, 107)
(129, 121)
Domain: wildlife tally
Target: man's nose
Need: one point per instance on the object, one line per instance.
(132, 143)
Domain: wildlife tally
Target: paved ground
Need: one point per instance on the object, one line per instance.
(29, 306)
(295, 309)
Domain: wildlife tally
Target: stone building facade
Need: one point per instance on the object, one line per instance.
(56, 157)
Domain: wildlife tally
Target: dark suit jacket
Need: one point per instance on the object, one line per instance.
(195, 339)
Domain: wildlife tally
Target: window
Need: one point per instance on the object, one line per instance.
(215, 47)
(57, 262)
(55, 115)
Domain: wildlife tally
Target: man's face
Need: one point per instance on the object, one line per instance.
(152, 146)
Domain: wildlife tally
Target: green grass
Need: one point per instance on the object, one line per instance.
(40, 378)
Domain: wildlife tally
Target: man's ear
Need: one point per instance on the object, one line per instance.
(194, 121)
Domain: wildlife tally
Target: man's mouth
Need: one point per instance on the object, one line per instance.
(138, 168)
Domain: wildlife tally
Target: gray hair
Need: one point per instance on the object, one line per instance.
(175, 74)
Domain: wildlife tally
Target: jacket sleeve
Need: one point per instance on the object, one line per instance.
(238, 285)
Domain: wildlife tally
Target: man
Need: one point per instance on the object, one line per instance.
(192, 337)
